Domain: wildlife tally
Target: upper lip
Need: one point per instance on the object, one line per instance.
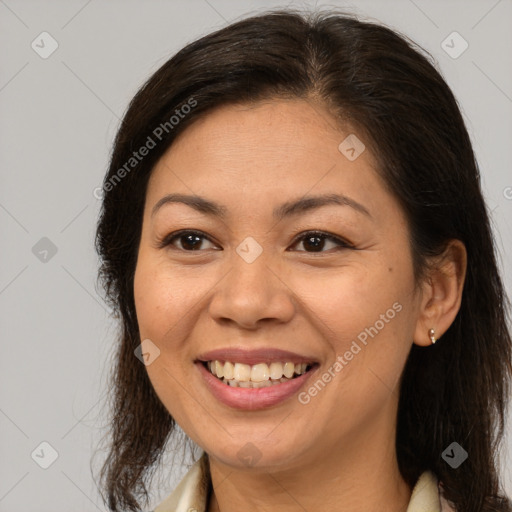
(254, 356)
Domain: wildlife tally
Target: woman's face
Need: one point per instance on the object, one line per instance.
(256, 279)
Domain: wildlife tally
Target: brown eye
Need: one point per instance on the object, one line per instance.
(189, 240)
(316, 241)
(313, 241)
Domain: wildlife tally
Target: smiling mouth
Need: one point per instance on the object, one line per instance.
(256, 376)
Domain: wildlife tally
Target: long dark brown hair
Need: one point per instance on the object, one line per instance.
(387, 86)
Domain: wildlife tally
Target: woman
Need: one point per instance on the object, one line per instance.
(294, 235)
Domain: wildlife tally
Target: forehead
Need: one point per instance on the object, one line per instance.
(265, 151)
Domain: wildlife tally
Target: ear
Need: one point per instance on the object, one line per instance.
(441, 293)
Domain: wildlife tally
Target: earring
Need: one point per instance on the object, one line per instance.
(432, 336)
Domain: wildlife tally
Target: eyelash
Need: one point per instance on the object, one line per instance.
(342, 244)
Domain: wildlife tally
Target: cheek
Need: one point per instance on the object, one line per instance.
(168, 305)
(152, 301)
(161, 297)
(365, 313)
(161, 303)
(347, 301)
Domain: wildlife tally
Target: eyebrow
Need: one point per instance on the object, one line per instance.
(287, 209)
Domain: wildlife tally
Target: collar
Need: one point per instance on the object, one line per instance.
(192, 492)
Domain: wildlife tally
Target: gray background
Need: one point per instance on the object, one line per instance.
(58, 118)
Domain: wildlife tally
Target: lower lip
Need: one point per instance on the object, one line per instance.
(251, 399)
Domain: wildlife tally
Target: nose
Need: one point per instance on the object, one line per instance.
(251, 294)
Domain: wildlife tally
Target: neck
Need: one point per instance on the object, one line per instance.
(362, 475)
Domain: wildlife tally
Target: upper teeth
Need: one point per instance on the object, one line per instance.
(257, 373)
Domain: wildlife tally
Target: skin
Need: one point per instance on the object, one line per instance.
(336, 452)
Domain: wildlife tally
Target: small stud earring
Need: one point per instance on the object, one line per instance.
(432, 336)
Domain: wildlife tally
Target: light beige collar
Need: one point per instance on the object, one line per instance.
(427, 496)
(192, 492)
